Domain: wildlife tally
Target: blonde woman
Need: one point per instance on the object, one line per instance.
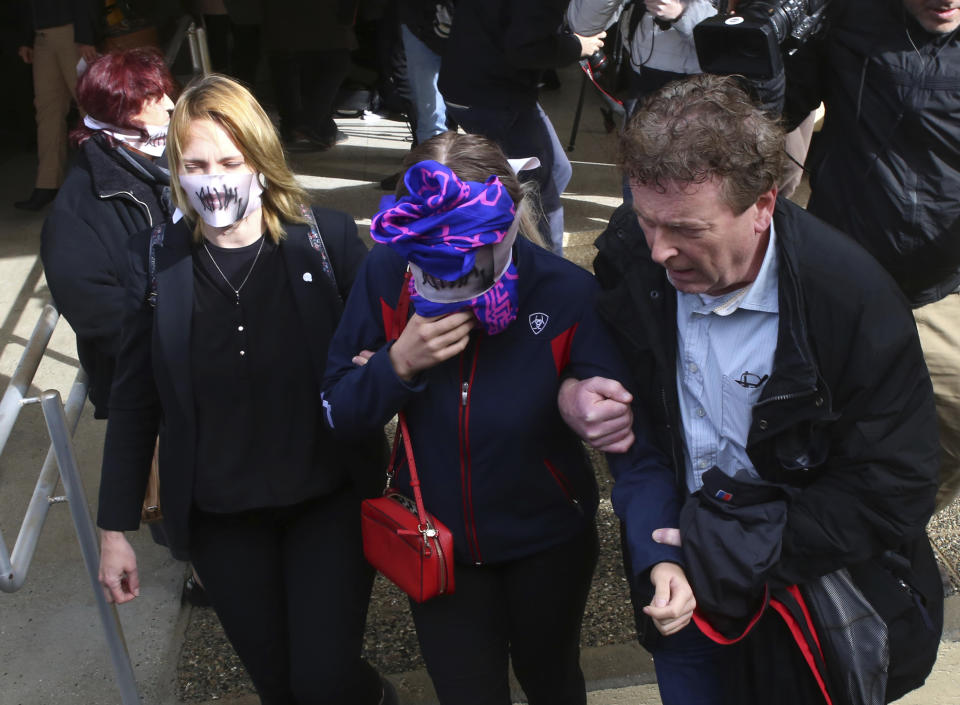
(236, 302)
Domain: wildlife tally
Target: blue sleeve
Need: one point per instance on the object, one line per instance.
(645, 495)
(358, 400)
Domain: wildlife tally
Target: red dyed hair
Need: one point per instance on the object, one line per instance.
(114, 88)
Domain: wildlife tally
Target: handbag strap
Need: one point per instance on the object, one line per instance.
(398, 323)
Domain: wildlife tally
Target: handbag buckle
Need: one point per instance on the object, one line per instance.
(428, 531)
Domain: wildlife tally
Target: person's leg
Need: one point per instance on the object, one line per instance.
(690, 669)
(939, 327)
(423, 67)
(322, 72)
(238, 558)
(328, 585)
(463, 639)
(245, 54)
(557, 170)
(285, 71)
(54, 58)
(526, 133)
(547, 594)
(218, 42)
(796, 144)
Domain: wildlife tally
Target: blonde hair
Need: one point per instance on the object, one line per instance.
(228, 104)
(476, 158)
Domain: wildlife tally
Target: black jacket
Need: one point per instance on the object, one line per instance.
(886, 167)
(102, 202)
(36, 15)
(153, 391)
(846, 421)
(498, 49)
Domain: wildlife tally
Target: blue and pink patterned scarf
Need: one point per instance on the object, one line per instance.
(457, 236)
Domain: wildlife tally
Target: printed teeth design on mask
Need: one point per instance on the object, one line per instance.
(214, 200)
(158, 140)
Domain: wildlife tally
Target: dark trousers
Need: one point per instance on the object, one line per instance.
(291, 588)
(234, 48)
(526, 132)
(306, 85)
(765, 667)
(528, 611)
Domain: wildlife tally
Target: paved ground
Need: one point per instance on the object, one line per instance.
(52, 649)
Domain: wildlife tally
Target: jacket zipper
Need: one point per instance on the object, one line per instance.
(104, 196)
(564, 485)
(466, 384)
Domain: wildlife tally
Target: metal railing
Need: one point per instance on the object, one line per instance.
(196, 38)
(60, 464)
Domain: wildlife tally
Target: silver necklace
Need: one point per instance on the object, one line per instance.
(236, 290)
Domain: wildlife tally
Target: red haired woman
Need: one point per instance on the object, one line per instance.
(118, 185)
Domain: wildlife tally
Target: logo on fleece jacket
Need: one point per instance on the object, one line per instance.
(538, 321)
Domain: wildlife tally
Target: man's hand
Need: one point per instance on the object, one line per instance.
(673, 601)
(26, 53)
(426, 342)
(87, 52)
(669, 10)
(118, 568)
(590, 45)
(598, 410)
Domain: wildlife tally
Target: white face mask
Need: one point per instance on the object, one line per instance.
(222, 199)
(154, 145)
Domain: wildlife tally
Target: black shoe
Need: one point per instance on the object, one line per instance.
(194, 593)
(38, 199)
(389, 696)
(389, 183)
(325, 140)
(297, 141)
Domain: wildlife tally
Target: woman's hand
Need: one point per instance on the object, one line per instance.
(118, 568)
(426, 342)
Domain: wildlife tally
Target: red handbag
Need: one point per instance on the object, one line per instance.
(401, 539)
(405, 542)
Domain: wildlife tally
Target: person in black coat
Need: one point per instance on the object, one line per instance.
(118, 186)
(232, 307)
(492, 64)
(782, 372)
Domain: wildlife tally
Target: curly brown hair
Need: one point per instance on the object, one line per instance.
(701, 128)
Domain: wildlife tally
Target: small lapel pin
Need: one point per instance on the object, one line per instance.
(307, 277)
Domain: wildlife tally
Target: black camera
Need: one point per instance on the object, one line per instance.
(753, 39)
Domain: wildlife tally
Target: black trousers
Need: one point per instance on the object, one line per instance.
(291, 587)
(305, 84)
(528, 611)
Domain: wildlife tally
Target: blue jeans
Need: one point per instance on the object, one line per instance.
(423, 67)
(526, 132)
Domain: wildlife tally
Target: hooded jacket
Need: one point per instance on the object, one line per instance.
(846, 423)
(886, 166)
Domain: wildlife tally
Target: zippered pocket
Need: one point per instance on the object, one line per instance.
(563, 484)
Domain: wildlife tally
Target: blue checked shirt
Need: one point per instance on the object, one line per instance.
(725, 353)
